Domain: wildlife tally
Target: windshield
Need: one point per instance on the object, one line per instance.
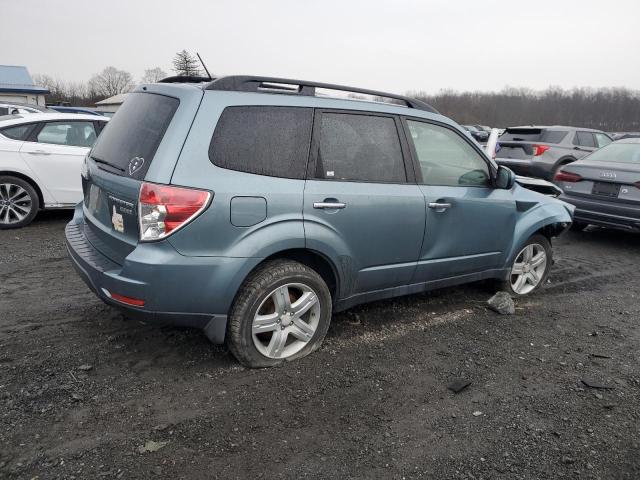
(618, 153)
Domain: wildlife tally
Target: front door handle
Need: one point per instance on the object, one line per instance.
(39, 152)
(439, 206)
(329, 205)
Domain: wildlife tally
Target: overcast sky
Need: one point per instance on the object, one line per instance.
(396, 45)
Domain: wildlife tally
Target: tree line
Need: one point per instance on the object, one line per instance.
(608, 109)
(110, 81)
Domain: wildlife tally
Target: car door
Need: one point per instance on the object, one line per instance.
(584, 143)
(469, 224)
(361, 206)
(55, 152)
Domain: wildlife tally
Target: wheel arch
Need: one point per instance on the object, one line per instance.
(314, 260)
(29, 180)
(562, 161)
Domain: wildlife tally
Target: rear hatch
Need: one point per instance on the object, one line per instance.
(141, 142)
(523, 143)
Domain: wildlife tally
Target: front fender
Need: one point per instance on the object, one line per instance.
(554, 213)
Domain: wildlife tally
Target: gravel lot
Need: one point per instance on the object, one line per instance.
(83, 390)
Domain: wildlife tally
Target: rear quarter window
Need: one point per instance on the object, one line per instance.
(272, 141)
(135, 132)
(18, 132)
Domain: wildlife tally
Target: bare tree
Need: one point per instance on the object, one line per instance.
(186, 64)
(111, 81)
(153, 75)
(75, 93)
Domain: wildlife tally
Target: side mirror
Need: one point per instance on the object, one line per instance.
(505, 178)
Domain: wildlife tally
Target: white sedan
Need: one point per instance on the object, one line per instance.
(41, 156)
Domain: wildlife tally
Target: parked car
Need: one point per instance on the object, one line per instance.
(479, 135)
(66, 109)
(40, 159)
(541, 151)
(623, 135)
(605, 186)
(251, 208)
(17, 108)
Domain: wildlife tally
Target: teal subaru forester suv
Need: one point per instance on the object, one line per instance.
(253, 208)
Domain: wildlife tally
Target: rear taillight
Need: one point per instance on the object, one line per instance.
(562, 176)
(539, 149)
(163, 209)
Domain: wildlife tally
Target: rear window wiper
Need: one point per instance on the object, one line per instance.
(104, 162)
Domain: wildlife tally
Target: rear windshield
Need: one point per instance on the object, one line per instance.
(618, 153)
(130, 140)
(541, 135)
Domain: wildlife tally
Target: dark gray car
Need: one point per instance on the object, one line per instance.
(605, 186)
(539, 152)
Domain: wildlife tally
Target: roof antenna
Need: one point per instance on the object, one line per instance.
(205, 67)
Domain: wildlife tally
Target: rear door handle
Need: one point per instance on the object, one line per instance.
(39, 152)
(439, 206)
(329, 205)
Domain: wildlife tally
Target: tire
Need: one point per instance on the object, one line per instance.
(578, 226)
(19, 202)
(539, 244)
(265, 309)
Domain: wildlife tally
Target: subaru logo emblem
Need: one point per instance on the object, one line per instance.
(135, 164)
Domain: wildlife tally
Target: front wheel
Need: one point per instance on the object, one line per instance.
(281, 313)
(530, 267)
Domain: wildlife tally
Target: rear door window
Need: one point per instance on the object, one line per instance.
(73, 134)
(363, 148)
(263, 140)
(584, 139)
(135, 133)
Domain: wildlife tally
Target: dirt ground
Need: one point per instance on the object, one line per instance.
(83, 391)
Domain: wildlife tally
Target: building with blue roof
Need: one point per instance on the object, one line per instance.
(16, 85)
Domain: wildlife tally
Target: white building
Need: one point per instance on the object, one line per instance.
(16, 85)
(111, 104)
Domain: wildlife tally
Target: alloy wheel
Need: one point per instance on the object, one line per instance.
(528, 268)
(286, 320)
(15, 203)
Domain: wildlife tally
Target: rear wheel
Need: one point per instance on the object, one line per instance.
(281, 313)
(530, 267)
(18, 202)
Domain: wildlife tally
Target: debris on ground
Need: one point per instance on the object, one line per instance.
(458, 385)
(151, 446)
(502, 303)
(593, 383)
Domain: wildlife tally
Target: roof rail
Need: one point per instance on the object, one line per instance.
(245, 83)
(185, 79)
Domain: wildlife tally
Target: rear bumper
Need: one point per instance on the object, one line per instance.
(604, 214)
(527, 168)
(177, 290)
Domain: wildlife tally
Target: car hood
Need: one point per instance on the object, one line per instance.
(539, 185)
